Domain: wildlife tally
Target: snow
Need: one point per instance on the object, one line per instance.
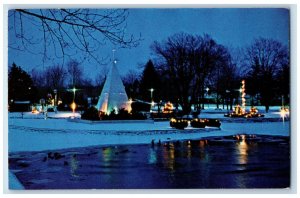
(29, 115)
(32, 134)
(14, 183)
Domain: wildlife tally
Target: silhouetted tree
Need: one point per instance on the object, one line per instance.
(265, 58)
(131, 83)
(55, 77)
(188, 61)
(62, 33)
(20, 85)
(283, 82)
(75, 73)
(222, 73)
(150, 79)
(225, 82)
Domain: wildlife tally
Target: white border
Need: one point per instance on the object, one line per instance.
(154, 4)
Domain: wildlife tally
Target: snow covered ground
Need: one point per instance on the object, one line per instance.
(37, 134)
(31, 132)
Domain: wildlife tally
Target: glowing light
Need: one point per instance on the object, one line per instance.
(116, 110)
(35, 111)
(243, 96)
(173, 120)
(284, 112)
(152, 103)
(151, 93)
(129, 106)
(243, 137)
(73, 106)
(168, 107)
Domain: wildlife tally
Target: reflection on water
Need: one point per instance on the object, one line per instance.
(242, 151)
(217, 162)
(203, 155)
(189, 150)
(242, 159)
(73, 166)
(107, 155)
(152, 159)
(169, 155)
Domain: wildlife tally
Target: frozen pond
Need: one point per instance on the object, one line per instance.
(244, 161)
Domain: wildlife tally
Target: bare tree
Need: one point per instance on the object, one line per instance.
(55, 77)
(188, 61)
(38, 78)
(68, 32)
(75, 73)
(222, 77)
(264, 58)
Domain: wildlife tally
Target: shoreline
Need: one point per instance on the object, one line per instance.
(168, 140)
(99, 167)
(55, 134)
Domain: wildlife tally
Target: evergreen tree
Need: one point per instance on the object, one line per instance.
(150, 80)
(20, 85)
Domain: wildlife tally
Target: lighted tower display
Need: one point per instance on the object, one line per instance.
(243, 94)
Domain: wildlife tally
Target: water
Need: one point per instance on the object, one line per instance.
(220, 162)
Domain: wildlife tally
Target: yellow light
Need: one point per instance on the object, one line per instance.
(130, 101)
(35, 111)
(73, 106)
(283, 113)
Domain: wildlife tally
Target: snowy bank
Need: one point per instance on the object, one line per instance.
(50, 134)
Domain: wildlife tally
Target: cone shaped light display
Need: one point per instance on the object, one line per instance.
(113, 95)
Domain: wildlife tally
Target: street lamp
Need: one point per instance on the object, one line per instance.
(73, 105)
(207, 89)
(227, 95)
(55, 97)
(74, 91)
(151, 92)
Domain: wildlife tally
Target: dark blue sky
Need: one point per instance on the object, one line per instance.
(230, 27)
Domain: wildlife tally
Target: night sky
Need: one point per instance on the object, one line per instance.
(230, 27)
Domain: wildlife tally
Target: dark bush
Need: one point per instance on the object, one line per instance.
(178, 123)
(198, 123)
(93, 114)
(90, 114)
(212, 123)
(138, 106)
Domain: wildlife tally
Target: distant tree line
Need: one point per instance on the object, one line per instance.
(188, 67)
(185, 70)
(55, 80)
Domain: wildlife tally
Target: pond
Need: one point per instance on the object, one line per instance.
(239, 161)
